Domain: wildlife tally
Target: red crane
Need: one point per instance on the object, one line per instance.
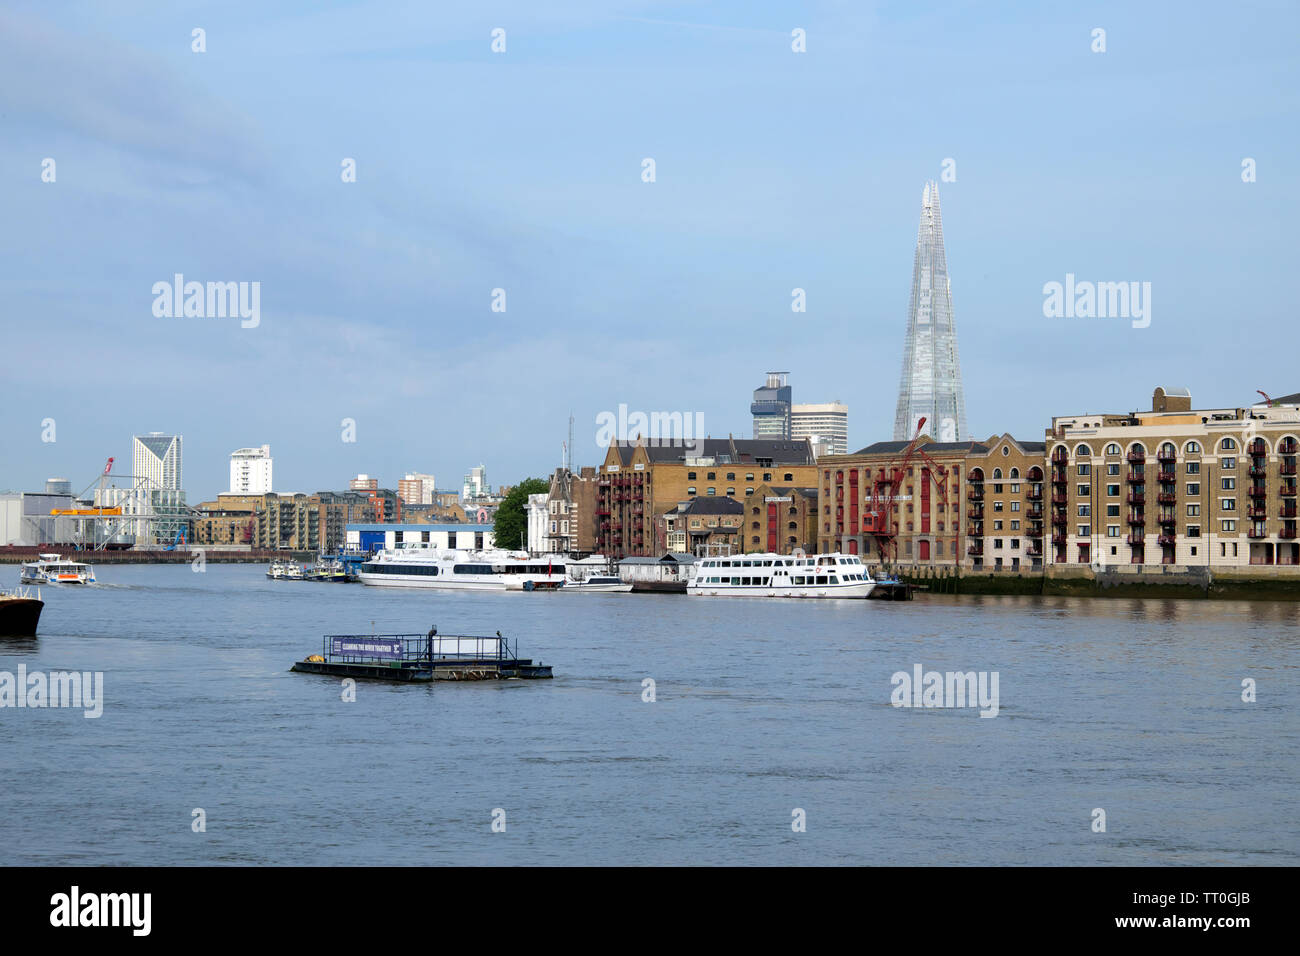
(878, 520)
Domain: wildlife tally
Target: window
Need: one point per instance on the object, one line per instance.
(997, 506)
(1085, 531)
(1228, 464)
(1193, 510)
(1015, 506)
(1229, 504)
(1228, 525)
(1112, 511)
(1083, 468)
(1084, 491)
(1015, 542)
(713, 475)
(731, 476)
(997, 525)
(1112, 491)
(1112, 531)
(1227, 445)
(690, 476)
(1085, 511)
(1193, 488)
(1228, 483)
(1015, 526)
(691, 490)
(1193, 467)
(997, 543)
(1082, 450)
(790, 477)
(711, 491)
(767, 476)
(1193, 448)
(1112, 449)
(1193, 531)
(749, 477)
(1112, 469)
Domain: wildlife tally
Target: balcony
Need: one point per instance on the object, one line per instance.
(1136, 457)
(1288, 510)
(1287, 533)
(1289, 446)
(975, 547)
(1136, 518)
(1137, 498)
(1035, 532)
(1060, 457)
(1034, 551)
(1258, 471)
(1137, 540)
(1257, 533)
(1259, 512)
(1258, 448)
(1034, 512)
(975, 514)
(1136, 477)
(975, 531)
(1060, 519)
(1058, 539)
(1167, 540)
(1167, 498)
(1168, 517)
(1286, 468)
(1258, 491)
(1060, 499)
(975, 494)
(1035, 493)
(1167, 454)
(1287, 491)
(1167, 477)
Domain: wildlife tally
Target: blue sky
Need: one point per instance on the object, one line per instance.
(521, 171)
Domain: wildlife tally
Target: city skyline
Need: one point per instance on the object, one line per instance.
(380, 291)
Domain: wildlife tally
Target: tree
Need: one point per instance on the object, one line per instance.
(511, 527)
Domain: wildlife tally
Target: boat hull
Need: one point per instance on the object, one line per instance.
(854, 591)
(19, 616)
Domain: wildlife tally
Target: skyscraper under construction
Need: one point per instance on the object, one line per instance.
(931, 381)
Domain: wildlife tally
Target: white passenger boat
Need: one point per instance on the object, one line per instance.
(53, 569)
(780, 575)
(415, 565)
(597, 584)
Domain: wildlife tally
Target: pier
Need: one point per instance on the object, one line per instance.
(405, 658)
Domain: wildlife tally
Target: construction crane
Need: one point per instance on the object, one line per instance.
(878, 519)
(97, 511)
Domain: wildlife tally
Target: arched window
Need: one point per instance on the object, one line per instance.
(1112, 449)
(1082, 449)
(1015, 474)
(997, 474)
(1192, 448)
(1227, 445)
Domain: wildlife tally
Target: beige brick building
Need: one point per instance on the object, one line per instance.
(1005, 514)
(639, 481)
(1175, 486)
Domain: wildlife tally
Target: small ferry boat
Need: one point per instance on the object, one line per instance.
(278, 570)
(597, 584)
(53, 569)
(415, 565)
(780, 575)
(19, 612)
(421, 657)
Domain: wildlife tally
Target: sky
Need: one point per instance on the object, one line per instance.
(522, 170)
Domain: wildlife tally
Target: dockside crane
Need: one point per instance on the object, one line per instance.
(878, 519)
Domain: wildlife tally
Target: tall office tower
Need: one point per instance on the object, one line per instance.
(826, 424)
(931, 381)
(771, 407)
(250, 471)
(157, 457)
(475, 484)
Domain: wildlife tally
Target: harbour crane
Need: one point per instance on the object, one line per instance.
(878, 519)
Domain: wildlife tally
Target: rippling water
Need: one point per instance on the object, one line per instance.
(762, 707)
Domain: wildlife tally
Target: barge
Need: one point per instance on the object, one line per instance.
(406, 658)
(19, 612)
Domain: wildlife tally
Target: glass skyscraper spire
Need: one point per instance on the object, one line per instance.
(931, 381)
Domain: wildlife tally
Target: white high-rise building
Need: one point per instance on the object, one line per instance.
(826, 424)
(250, 471)
(157, 458)
(475, 485)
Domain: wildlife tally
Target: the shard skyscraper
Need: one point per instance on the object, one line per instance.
(931, 381)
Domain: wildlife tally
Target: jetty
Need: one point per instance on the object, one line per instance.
(421, 657)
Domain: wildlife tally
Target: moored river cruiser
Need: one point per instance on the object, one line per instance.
(782, 575)
(53, 569)
(419, 566)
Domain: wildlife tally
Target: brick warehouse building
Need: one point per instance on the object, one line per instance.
(640, 481)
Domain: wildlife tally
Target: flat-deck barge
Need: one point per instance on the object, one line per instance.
(421, 657)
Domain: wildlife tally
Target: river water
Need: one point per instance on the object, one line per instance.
(762, 709)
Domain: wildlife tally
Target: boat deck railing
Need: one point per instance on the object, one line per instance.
(415, 648)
